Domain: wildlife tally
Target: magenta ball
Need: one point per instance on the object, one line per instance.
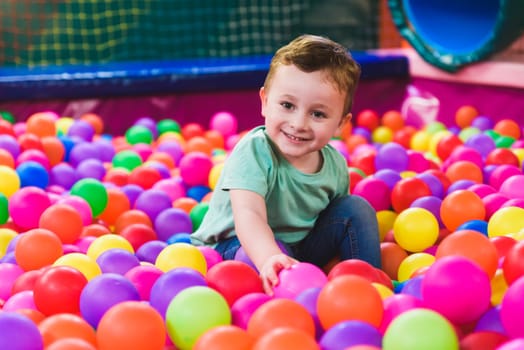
(396, 305)
(143, 278)
(211, 255)
(225, 123)
(512, 309)
(8, 274)
(457, 288)
(375, 191)
(297, 278)
(27, 205)
(194, 168)
(501, 173)
(174, 188)
(21, 300)
(244, 307)
(513, 186)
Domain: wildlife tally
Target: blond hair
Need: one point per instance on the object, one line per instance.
(311, 53)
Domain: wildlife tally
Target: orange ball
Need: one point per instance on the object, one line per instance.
(95, 121)
(393, 120)
(144, 176)
(392, 256)
(131, 325)
(277, 313)
(472, 245)
(349, 297)
(199, 144)
(65, 325)
(226, 337)
(465, 115)
(32, 314)
(353, 141)
(162, 157)
(71, 344)
(130, 217)
(117, 176)
(460, 206)
(464, 170)
(37, 248)
(285, 338)
(117, 204)
(215, 139)
(41, 124)
(6, 158)
(95, 230)
(191, 130)
(54, 149)
(508, 127)
(185, 203)
(64, 221)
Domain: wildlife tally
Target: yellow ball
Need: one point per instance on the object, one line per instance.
(382, 134)
(181, 255)
(519, 152)
(420, 141)
(214, 174)
(385, 219)
(6, 235)
(63, 124)
(412, 263)
(499, 287)
(10, 182)
(416, 229)
(435, 139)
(106, 242)
(382, 290)
(82, 262)
(506, 221)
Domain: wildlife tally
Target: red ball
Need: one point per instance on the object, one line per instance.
(354, 267)
(368, 119)
(447, 144)
(58, 290)
(144, 176)
(138, 234)
(234, 279)
(501, 156)
(512, 265)
(406, 190)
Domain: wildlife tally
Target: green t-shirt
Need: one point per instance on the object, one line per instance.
(293, 199)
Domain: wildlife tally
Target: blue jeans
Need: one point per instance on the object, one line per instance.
(347, 229)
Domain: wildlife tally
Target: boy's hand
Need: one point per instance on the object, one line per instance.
(271, 268)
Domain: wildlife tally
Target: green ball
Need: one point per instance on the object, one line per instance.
(139, 134)
(417, 329)
(4, 209)
(194, 311)
(127, 159)
(197, 214)
(94, 192)
(5, 115)
(504, 141)
(166, 125)
(434, 127)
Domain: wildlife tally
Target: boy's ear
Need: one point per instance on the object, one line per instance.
(263, 100)
(346, 119)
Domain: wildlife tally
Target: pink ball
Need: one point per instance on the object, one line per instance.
(513, 186)
(512, 309)
(482, 190)
(457, 288)
(375, 191)
(212, 256)
(493, 202)
(244, 307)
(396, 305)
(297, 278)
(21, 300)
(501, 173)
(194, 168)
(417, 161)
(27, 205)
(143, 277)
(173, 187)
(34, 155)
(8, 275)
(225, 123)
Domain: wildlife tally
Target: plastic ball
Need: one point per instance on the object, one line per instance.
(413, 263)
(33, 197)
(194, 168)
(143, 278)
(244, 307)
(148, 252)
(94, 192)
(65, 325)
(283, 338)
(63, 220)
(138, 134)
(392, 256)
(457, 288)
(83, 263)
(105, 242)
(194, 311)
(153, 202)
(420, 328)
(416, 229)
(57, 290)
(224, 122)
(171, 221)
(349, 298)
(37, 248)
(349, 333)
(277, 313)
(19, 332)
(181, 255)
(461, 206)
(375, 191)
(508, 220)
(131, 325)
(368, 119)
(211, 255)
(138, 234)
(354, 267)
(406, 191)
(392, 156)
(512, 263)
(511, 309)
(297, 278)
(117, 260)
(233, 279)
(226, 337)
(81, 129)
(9, 273)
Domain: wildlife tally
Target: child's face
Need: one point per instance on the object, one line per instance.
(302, 111)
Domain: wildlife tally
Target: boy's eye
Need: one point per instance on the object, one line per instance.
(318, 114)
(286, 105)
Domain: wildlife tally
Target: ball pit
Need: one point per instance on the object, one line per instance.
(94, 240)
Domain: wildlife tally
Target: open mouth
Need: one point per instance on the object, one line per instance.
(294, 138)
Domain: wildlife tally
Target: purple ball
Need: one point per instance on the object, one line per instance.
(174, 149)
(392, 156)
(63, 175)
(346, 334)
(169, 284)
(10, 144)
(117, 260)
(81, 130)
(434, 184)
(132, 192)
(102, 292)
(389, 176)
(91, 168)
(153, 202)
(308, 299)
(431, 203)
(105, 149)
(19, 332)
(82, 151)
(149, 251)
(171, 221)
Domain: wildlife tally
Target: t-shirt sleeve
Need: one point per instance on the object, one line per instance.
(249, 166)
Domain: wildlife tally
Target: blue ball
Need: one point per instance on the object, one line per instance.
(32, 173)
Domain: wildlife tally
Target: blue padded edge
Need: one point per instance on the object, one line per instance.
(162, 77)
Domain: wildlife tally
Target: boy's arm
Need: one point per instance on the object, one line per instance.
(256, 237)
